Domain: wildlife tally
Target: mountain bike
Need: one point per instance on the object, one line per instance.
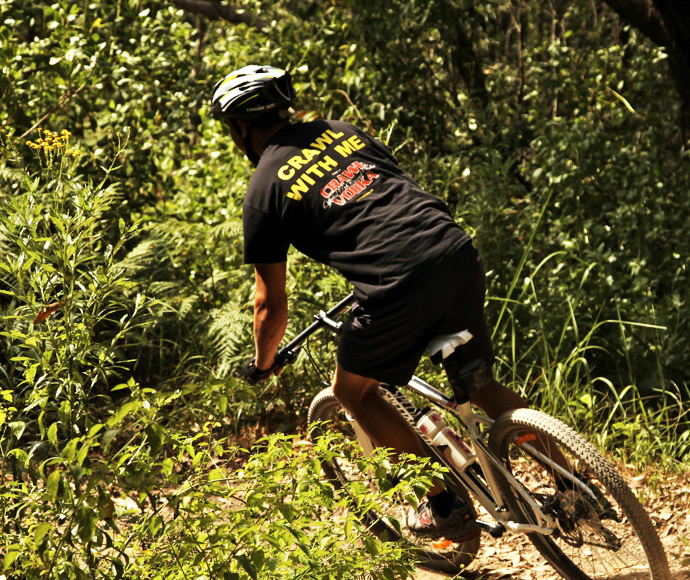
(576, 510)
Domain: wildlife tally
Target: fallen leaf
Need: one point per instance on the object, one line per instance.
(46, 311)
(441, 544)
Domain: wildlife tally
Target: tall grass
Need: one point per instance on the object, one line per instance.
(562, 369)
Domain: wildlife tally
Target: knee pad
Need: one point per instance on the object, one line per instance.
(467, 378)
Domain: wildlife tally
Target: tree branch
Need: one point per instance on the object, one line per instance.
(643, 16)
(63, 99)
(216, 11)
(667, 24)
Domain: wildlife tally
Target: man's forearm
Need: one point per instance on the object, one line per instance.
(270, 311)
(270, 323)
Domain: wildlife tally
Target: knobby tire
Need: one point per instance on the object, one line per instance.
(387, 521)
(592, 541)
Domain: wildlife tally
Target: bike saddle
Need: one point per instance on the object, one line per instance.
(442, 346)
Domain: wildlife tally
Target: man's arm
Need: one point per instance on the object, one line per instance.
(270, 311)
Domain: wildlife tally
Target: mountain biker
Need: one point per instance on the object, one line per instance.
(339, 196)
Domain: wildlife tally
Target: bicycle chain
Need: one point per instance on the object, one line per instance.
(405, 407)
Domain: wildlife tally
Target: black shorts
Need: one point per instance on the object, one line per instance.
(386, 341)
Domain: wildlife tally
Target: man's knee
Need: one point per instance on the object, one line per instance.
(487, 391)
(352, 390)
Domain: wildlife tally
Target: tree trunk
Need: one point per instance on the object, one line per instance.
(676, 17)
(667, 24)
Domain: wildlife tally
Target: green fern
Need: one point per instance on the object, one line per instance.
(230, 337)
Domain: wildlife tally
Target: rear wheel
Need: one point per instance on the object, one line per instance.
(387, 520)
(602, 529)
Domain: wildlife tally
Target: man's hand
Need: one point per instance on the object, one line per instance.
(254, 374)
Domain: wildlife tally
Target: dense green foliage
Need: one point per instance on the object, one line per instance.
(551, 132)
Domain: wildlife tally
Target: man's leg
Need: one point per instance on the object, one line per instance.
(495, 399)
(360, 396)
(443, 514)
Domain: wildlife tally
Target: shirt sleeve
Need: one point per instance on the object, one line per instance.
(263, 239)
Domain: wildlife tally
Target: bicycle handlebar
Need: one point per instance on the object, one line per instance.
(288, 354)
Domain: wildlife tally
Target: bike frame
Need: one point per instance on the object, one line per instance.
(487, 493)
(475, 427)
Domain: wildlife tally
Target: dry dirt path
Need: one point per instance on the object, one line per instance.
(514, 558)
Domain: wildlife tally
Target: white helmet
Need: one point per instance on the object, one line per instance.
(254, 93)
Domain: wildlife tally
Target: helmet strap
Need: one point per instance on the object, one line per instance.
(251, 154)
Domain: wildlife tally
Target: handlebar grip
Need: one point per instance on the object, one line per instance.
(284, 357)
(252, 374)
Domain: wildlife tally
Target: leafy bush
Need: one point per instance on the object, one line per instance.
(126, 309)
(191, 510)
(68, 309)
(96, 476)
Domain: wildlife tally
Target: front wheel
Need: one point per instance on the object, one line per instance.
(386, 521)
(602, 531)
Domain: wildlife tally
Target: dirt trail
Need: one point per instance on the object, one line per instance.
(514, 558)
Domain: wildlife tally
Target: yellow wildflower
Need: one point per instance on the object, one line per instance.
(49, 140)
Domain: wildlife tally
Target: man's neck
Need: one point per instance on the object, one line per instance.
(262, 134)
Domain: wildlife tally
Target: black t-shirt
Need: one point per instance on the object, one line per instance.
(339, 196)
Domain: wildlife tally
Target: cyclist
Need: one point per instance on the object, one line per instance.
(339, 196)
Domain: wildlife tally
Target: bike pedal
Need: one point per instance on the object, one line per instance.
(494, 530)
